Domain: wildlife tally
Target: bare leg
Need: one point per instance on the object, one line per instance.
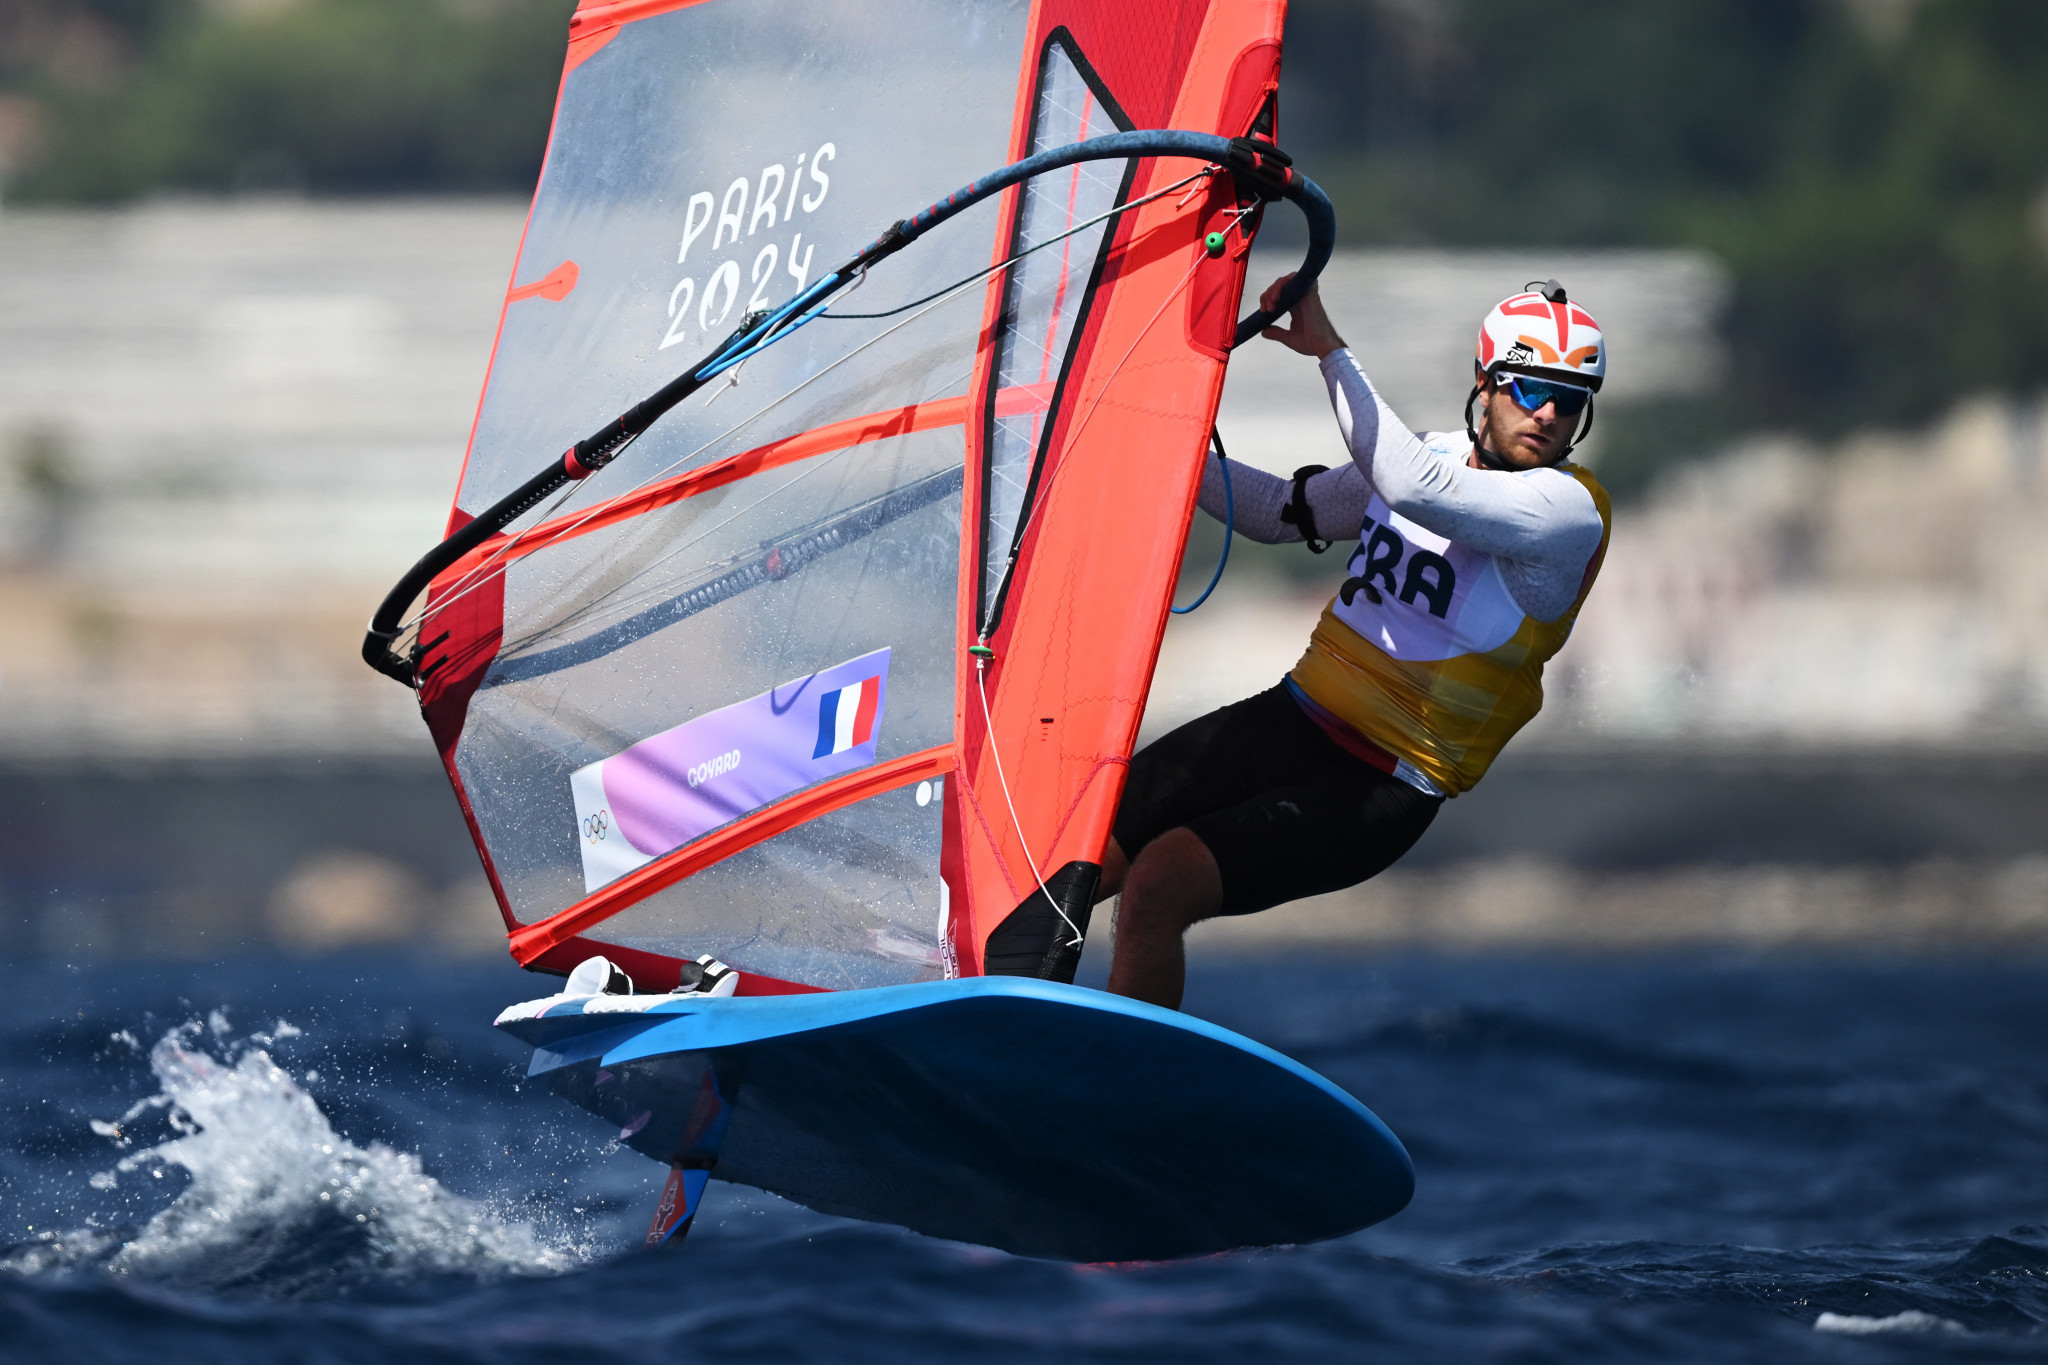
(1114, 866)
(1172, 884)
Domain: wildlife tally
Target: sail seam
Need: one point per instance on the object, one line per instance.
(534, 939)
(988, 832)
(1112, 761)
(588, 20)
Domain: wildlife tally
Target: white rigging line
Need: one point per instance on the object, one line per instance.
(1206, 172)
(430, 607)
(995, 752)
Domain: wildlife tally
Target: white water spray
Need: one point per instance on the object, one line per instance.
(278, 1202)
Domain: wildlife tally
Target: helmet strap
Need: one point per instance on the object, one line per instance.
(1486, 457)
(1585, 429)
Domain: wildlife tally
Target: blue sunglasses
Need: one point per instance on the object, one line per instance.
(1530, 394)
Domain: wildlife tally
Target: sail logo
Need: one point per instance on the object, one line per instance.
(751, 204)
(846, 717)
(716, 767)
(663, 793)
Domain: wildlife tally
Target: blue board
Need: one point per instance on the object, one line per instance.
(1040, 1118)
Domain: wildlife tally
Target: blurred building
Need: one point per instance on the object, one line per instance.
(1892, 590)
(227, 426)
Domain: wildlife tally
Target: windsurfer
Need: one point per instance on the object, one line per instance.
(1475, 551)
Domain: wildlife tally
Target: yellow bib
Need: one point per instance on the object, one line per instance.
(1431, 659)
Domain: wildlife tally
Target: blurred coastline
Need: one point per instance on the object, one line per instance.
(1806, 705)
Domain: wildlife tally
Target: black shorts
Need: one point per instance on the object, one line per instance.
(1285, 811)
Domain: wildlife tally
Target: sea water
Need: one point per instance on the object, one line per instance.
(1668, 1159)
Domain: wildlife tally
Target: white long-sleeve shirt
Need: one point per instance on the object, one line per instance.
(1540, 525)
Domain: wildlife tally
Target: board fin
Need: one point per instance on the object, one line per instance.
(690, 1168)
(680, 1199)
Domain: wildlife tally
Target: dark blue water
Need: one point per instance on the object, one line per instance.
(1654, 1160)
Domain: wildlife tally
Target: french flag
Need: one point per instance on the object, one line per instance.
(846, 717)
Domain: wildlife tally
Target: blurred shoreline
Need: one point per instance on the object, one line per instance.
(1624, 851)
(1935, 907)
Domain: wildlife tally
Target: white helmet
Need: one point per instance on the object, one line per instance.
(1543, 332)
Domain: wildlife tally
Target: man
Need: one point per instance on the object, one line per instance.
(1476, 550)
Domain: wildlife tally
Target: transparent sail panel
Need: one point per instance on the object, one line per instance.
(845, 901)
(713, 160)
(668, 674)
(1044, 302)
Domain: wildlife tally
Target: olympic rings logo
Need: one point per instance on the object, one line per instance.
(594, 826)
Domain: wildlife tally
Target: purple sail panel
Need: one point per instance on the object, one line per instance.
(676, 786)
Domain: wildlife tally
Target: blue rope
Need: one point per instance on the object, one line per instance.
(1229, 518)
(767, 329)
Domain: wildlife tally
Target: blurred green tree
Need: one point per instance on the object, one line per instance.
(328, 96)
(1879, 195)
(1893, 259)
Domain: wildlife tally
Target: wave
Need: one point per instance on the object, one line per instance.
(1993, 1284)
(1912, 1320)
(277, 1203)
(1474, 1031)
